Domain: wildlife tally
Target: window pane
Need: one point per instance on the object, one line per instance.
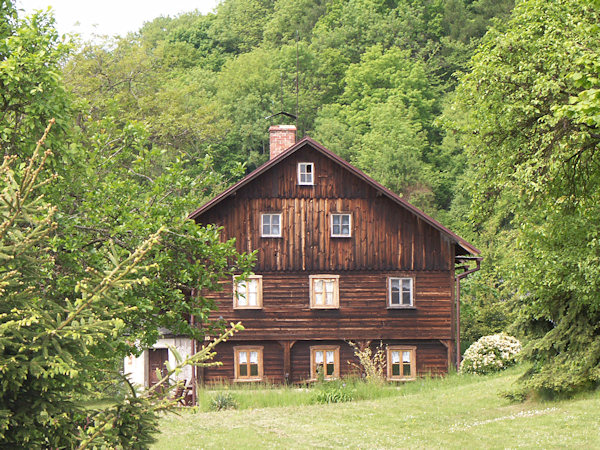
(243, 357)
(329, 298)
(395, 357)
(406, 284)
(406, 357)
(253, 370)
(396, 369)
(329, 357)
(275, 230)
(266, 229)
(345, 230)
(275, 219)
(346, 219)
(329, 285)
(406, 370)
(308, 168)
(336, 220)
(318, 299)
(253, 357)
(318, 285)
(318, 357)
(243, 370)
(241, 293)
(406, 298)
(330, 369)
(252, 299)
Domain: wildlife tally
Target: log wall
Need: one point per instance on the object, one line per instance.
(431, 359)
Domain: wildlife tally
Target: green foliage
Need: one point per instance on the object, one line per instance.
(31, 92)
(223, 401)
(531, 133)
(51, 347)
(335, 391)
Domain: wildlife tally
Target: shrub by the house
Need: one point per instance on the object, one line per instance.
(490, 354)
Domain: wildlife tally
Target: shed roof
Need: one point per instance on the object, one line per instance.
(466, 246)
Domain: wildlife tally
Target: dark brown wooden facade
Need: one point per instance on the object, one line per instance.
(389, 238)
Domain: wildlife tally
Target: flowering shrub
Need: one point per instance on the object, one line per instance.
(490, 354)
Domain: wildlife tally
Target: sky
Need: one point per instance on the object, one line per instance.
(88, 17)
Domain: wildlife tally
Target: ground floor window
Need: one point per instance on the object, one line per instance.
(401, 362)
(325, 360)
(248, 363)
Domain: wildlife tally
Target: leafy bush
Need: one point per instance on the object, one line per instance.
(371, 365)
(332, 392)
(222, 401)
(490, 354)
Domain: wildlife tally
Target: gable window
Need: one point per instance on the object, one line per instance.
(324, 291)
(306, 174)
(248, 363)
(340, 225)
(325, 360)
(401, 363)
(400, 292)
(271, 225)
(247, 294)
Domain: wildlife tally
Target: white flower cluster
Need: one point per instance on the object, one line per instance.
(490, 354)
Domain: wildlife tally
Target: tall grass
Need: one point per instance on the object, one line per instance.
(260, 395)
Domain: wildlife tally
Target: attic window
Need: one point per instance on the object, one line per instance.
(306, 174)
(340, 225)
(271, 225)
(400, 292)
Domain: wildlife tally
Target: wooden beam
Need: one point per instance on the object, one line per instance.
(287, 359)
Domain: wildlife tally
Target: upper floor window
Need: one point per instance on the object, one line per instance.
(400, 292)
(306, 173)
(401, 363)
(324, 291)
(271, 225)
(248, 363)
(325, 360)
(340, 225)
(247, 294)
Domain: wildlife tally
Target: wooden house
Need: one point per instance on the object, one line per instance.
(339, 258)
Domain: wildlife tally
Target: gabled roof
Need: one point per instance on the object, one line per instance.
(382, 189)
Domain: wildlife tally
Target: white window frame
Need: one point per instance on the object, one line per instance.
(341, 215)
(336, 291)
(336, 361)
(236, 363)
(412, 292)
(263, 216)
(412, 351)
(302, 171)
(254, 279)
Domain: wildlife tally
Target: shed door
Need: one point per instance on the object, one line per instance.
(156, 359)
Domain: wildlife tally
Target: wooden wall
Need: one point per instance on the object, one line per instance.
(363, 312)
(385, 235)
(431, 359)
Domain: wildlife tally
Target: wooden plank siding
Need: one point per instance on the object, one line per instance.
(388, 239)
(431, 359)
(385, 236)
(363, 311)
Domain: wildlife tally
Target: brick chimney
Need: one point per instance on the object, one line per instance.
(281, 137)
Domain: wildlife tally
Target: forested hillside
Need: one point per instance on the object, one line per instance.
(373, 79)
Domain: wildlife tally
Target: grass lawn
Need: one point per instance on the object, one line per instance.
(456, 412)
